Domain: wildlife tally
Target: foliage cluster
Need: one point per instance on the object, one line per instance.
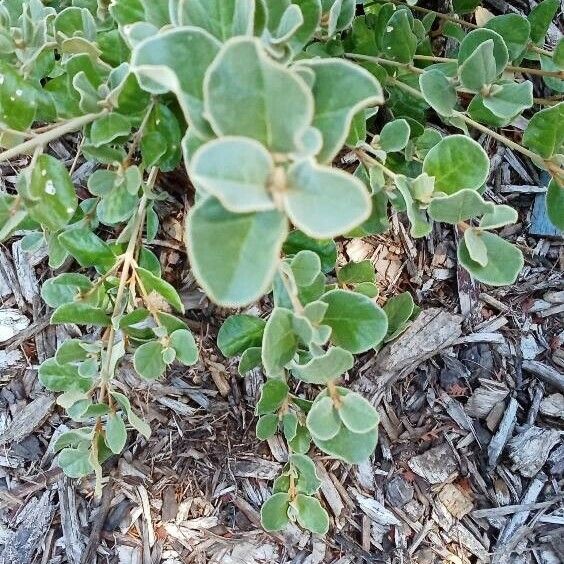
(256, 98)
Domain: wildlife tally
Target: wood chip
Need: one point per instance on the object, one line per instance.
(27, 420)
(529, 450)
(436, 465)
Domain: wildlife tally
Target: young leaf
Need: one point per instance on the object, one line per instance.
(476, 247)
(267, 426)
(357, 413)
(274, 512)
(357, 323)
(64, 288)
(509, 100)
(148, 360)
(75, 463)
(460, 206)
(273, 395)
(328, 366)
(477, 37)
(323, 420)
(249, 94)
(555, 204)
(152, 283)
(250, 359)
(505, 261)
(279, 342)
(108, 128)
(457, 162)
(395, 135)
(51, 193)
(314, 195)
(399, 310)
(438, 91)
(239, 333)
(479, 68)
(306, 266)
(498, 216)
(341, 89)
(308, 482)
(116, 435)
(235, 170)
(182, 341)
(243, 267)
(135, 421)
(160, 64)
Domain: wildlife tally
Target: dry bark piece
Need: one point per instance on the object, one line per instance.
(485, 397)
(436, 465)
(12, 322)
(553, 406)
(456, 501)
(530, 449)
(27, 420)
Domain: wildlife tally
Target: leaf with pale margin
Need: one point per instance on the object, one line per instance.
(351, 447)
(460, 206)
(236, 170)
(399, 43)
(152, 283)
(420, 226)
(320, 369)
(182, 341)
(249, 94)
(475, 38)
(242, 268)
(544, 133)
(314, 197)
(479, 69)
(306, 266)
(514, 29)
(64, 288)
(438, 91)
(357, 413)
(310, 514)
(148, 360)
(273, 394)
(81, 314)
(498, 216)
(357, 323)
(279, 341)
(134, 420)
(222, 18)
(323, 420)
(475, 246)
(457, 162)
(341, 89)
(510, 99)
(161, 64)
(274, 512)
(395, 135)
(267, 426)
(308, 482)
(505, 261)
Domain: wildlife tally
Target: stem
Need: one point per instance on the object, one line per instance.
(375, 162)
(139, 133)
(538, 72)
(44, 138)
(382, 61)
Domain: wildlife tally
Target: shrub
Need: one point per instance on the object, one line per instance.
(257, 98)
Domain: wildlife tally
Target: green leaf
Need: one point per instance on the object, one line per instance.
(476, 38)
(357, 413)
(64, 288)
(75, 463)
(540, 18)
(505, 261)
(161, 65)
(555, 204)
(222, 18)
(239, 333)
(62, 378)
(395, 135)
(328, 366)
(509, 100)
(279, 342)
(306, 266)
(356, 273)
(438, 91)
(498, 216)
(314, 196)
(476, 247)
(242, 268)
(153, 283)
(250, 359)
(311, 515)
(51, 194)
(323, 420)
(182, 341)
(274, 512)
(109, 128)
(161, 141)
(273, 394)
(399, 310)
(267, 425)
(479, 68)
(70, 351)
(116, 435)
(235, 170)
(465, 6)
(81, 314)
(87, 248)
(249, 94)
(302, 441)
(357, 323)
(460, 206)
(457, 162)
(326, 250)
(399, 43)
(514, 29)
(148, 360)
(341, 89)
(545, 134)
(135, 421)
(308, 482)
(18, 100)
(420, 226)
(351, 447)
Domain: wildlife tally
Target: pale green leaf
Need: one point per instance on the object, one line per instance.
(328, 366)
(279, 342)
(498, 216)
(357, 413)
(182, 341)
(544, 133)
(351, 447)
(273, 394)
(479, 68)
(116, 435)
(323, 420)
(274, 512)
(395, 135)
(148, 360)
(460, 206)
(438, 91)
(311, 515)
(477, 37)
(514, 29)
(510, 99)
(267, 426)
